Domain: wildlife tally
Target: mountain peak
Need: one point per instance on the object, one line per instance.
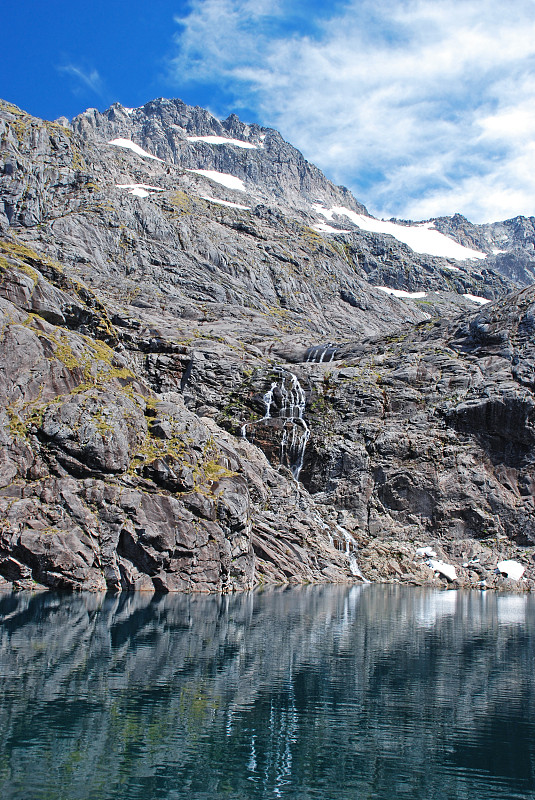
(220, 370)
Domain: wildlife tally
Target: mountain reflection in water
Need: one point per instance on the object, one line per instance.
(318, 692)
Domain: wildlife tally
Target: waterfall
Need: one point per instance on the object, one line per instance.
(349, 544)
(286, 400)
(294, 440)
(267, 400)
(293, 447)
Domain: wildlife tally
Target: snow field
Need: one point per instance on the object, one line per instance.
(420, 238)
(475, 299)
(223, 178)
(139, 189)
(402, 293)
(222, 140)
(322, 227)
(135, 148)
(224, 203)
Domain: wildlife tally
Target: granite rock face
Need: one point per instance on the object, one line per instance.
(510, 244)
(201, 390)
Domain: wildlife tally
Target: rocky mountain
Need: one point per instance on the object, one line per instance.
(510, 245)
(218, 370)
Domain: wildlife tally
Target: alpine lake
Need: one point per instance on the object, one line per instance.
(365, 692)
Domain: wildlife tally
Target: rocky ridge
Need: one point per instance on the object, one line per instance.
(204, 391)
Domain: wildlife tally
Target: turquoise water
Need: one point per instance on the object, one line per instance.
(333, 693)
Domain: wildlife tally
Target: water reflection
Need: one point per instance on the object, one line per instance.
(319, 692)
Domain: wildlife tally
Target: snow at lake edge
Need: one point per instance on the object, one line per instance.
(448, 570)
(513, 569)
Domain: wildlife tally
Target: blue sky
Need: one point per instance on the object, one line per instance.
(421, 107)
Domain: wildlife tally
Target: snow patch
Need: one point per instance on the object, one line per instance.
(402, 293)
(448, 570)
(475, 299)
(512, 569)
(426, 551)
(138, 186)
(222, 140)
(230, 181)
(224, 203)
(497, 252)
(453, 269)
(139, 189)
(420, 238)
(322, 227)
(135, 148)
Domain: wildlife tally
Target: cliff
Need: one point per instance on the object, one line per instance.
(218, 370)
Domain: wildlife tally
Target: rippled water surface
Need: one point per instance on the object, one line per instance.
(321, 692)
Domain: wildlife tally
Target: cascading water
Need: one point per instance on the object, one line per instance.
(344, 542)
(321, 353)
(285, 399)
(292, 408)
(348, 544)
(267, 400)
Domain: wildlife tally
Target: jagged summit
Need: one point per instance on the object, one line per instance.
(256, 165)
(189, 136)
(192, 138)
(218, 369)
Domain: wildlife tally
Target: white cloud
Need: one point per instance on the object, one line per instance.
(422, 107)
(88, 78)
